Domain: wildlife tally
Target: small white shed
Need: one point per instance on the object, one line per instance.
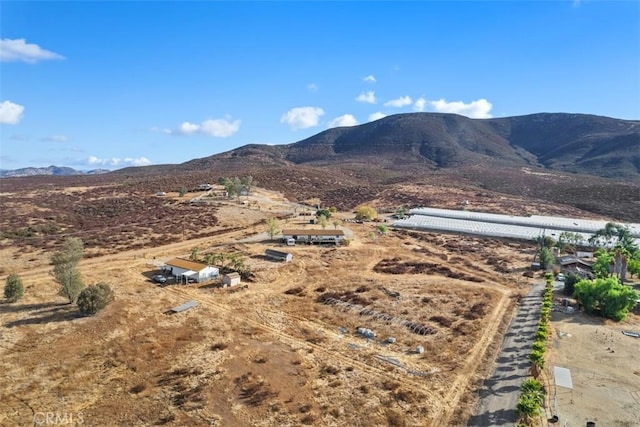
(231, 279)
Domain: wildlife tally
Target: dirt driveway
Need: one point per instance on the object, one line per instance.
(500, 393)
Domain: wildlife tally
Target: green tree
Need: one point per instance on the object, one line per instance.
(616, 235)
(247, 183)
(546, 258)
(537, 362)
(323, 221)
(182, 191)
(231, 188)
(602, 268)
(607, 297)
(528, 407)
(533, 388)
(13, 289)
(65, 268)
(336, 223)
(545, 241)
(94, 298)
(634, 267)
(194, 254)
(567, 241)
(383, 229)
(323, 212)
(237, 184)
(366, 213)
(273, 227)
(570, 283)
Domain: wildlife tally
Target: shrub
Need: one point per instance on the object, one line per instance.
(538, 346)
(366, 213)
(570, 283)
(13, 289)
(94, 298)
(607, 297)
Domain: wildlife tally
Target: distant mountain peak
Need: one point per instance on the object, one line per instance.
(50, 170)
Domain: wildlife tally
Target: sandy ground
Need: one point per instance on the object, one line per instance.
(604, 369)
(272, 353)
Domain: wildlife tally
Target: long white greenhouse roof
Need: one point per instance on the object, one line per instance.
(495, 225)
(549, 222)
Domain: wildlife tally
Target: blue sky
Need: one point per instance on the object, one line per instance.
(111, 84)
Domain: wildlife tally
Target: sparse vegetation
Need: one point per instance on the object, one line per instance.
(94, 298)
(13, 288)
(273, 227)
(65, 268)
(428, 267)
(366, 213)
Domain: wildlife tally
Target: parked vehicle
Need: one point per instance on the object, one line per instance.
(159, 278)
(560, 277)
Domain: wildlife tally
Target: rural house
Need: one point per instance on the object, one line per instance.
(230, 279)
(314, 236)
(186, 270)
(577, 266)
(278, 255)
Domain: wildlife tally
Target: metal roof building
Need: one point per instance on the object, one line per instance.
(506, 226)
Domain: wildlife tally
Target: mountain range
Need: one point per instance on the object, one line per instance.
(50, 170)
(574, 143)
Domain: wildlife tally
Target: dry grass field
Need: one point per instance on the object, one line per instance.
(281, 351)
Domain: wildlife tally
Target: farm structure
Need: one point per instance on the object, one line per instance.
(186, 270)
(230, 279)
(578, 266)
(312, 236)
(505, 226)
(278, 255)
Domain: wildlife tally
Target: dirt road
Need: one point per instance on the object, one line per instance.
(500, 392)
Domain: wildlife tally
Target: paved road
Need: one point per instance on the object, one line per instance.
(500, 392)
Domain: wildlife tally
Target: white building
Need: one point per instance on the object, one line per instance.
(230, 279)
(312, 236)
(186, 270)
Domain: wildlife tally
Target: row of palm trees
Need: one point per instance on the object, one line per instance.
(532, 393)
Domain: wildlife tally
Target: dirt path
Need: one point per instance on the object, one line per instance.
(500, 392)
(459, 385)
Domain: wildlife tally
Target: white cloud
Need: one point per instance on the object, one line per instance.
(220, 128)
(117, 161)
(312, 87)
(10, 113)
(369, 79)
(56, 138)
(162, 130)
(302, 117)
(344, 120)
(419, 104)
(399, 102)
(376, 116)
(479, 109)
(187, 128)
(19, 137)
(576, 3)
(20, 50)
(368, 97)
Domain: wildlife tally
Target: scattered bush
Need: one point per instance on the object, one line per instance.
(219, 346)
(13, 289)
(94, 298)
